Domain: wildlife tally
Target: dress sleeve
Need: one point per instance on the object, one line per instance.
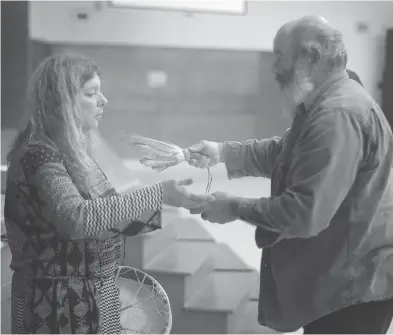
(61, 204)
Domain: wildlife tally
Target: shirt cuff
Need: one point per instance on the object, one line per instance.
(248, 212)
(246, 208)
(232, 157)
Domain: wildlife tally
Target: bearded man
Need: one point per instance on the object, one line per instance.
(327, 228)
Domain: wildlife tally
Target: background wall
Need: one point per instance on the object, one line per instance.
(208, 94)
(182, 78)
(14, 61)
(57, 22)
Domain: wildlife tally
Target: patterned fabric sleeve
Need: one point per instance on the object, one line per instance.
(61, 203)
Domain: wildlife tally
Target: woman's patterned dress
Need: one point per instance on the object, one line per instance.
(63, 267)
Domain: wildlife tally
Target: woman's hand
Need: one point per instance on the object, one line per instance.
(176, 195)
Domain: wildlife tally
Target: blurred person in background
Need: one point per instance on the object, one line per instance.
(63, 218)
(327, 228)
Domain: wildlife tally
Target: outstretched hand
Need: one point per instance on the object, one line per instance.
(222, 209)
(176, 195)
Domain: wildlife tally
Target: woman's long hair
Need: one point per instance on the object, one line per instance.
(53, 111)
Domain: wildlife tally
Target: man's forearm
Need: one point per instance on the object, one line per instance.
(250, 211)
(252, 158)
(243, 209)
(318, 179)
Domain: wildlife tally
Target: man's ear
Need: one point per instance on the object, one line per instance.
(314, 54)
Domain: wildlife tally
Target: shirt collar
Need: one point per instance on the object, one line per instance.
(315, 94)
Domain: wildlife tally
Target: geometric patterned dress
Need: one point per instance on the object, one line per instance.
(64, 253)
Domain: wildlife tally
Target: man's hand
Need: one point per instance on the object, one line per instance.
(176, 195)
(222, 209)
(205, 153)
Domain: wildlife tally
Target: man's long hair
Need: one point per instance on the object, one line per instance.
(53, 110)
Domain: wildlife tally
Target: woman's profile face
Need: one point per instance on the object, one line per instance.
(92, 102)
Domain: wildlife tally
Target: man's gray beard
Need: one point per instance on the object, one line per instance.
(295, 94)
(299, 89)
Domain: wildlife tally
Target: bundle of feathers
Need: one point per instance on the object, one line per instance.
(158, 155)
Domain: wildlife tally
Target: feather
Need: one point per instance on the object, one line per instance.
(158, 155)
(154, 144)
